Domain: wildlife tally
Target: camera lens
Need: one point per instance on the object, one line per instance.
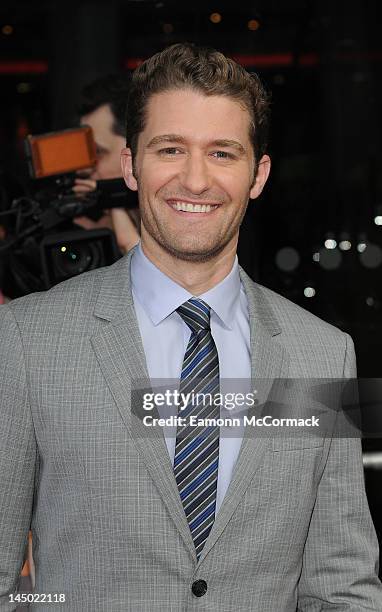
(71, 259)
(72, 253)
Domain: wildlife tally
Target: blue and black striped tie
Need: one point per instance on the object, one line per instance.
(197, 447)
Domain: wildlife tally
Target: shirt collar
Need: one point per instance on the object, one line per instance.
(160, 295)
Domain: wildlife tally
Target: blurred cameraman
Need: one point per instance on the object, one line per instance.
(103, 108)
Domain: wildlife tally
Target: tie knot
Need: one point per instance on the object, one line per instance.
(196, 314)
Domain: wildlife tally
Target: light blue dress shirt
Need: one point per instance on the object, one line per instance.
(165, 338)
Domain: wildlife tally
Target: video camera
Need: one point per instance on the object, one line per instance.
(42, 246)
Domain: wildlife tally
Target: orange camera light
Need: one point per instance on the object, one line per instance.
(61, 152)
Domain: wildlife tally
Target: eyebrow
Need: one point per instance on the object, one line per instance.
(166, 138)
(175, 138)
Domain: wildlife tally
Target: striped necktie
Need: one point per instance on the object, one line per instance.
(197, 447)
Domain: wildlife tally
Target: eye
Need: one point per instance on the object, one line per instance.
(223, 155)
(169, 151)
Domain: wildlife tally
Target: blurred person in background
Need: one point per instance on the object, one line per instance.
(103, 108)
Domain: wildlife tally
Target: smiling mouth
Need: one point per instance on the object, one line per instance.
(189, 207)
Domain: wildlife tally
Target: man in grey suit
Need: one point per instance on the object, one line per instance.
(127, 519)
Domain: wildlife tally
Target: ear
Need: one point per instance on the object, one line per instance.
(261, 177)
(127, 169)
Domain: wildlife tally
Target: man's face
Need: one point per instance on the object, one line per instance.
(109, 144)
(194, 171)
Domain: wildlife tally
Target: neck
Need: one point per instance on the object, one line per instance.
(196, 277)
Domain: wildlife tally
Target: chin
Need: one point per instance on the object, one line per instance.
(197, 254)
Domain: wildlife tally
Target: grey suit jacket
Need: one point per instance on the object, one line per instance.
(109, 530)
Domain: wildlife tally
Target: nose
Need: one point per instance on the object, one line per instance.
(195, 175)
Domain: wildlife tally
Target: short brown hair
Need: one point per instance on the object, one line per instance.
(206, 70)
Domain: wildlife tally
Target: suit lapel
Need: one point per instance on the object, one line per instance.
(269, 361)
(119, 351)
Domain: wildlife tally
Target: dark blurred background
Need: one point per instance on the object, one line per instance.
(315, 236)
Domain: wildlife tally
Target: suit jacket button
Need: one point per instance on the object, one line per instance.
(199, 588)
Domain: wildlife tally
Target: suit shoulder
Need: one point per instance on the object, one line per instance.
(294, 317)
(315, 347)
(73, 297)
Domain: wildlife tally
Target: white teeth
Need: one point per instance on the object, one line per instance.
(195, 208)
